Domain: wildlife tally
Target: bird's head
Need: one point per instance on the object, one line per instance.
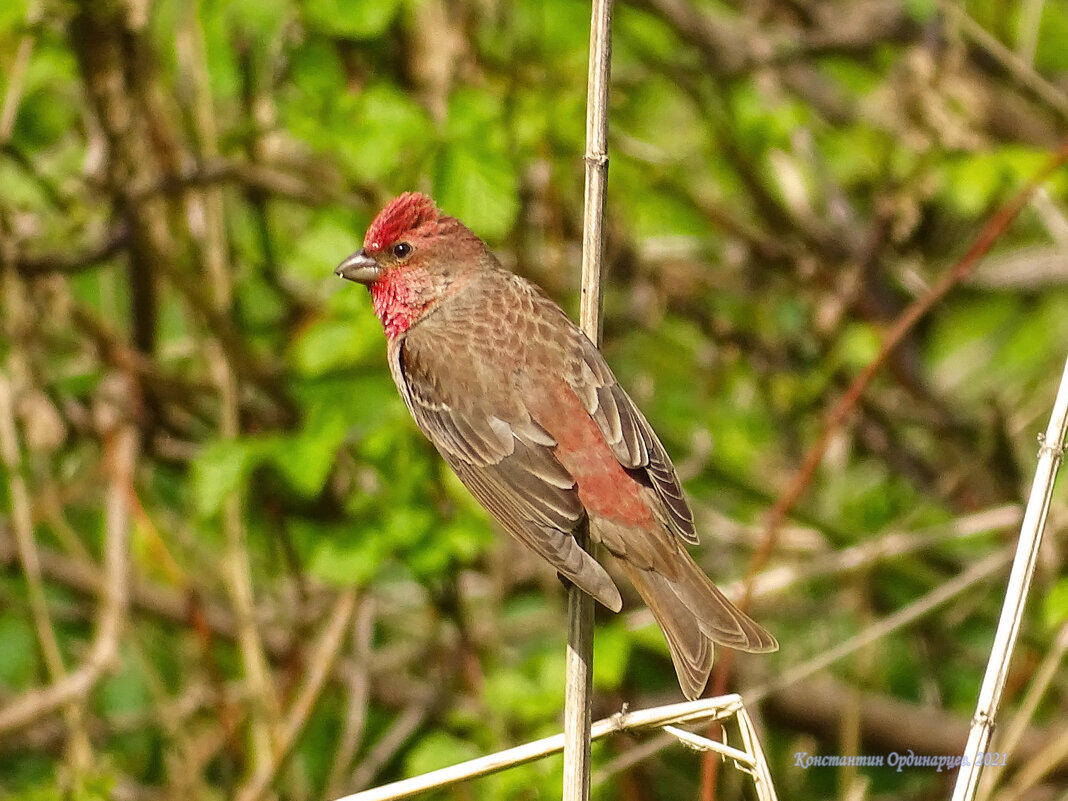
(411, 233)
(412, 257)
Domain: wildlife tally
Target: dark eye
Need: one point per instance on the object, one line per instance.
(402, 250)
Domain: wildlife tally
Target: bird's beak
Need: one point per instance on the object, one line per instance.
(359, 267)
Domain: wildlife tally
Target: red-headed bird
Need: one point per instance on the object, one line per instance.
(525, 409)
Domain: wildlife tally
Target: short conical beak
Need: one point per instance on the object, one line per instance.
(359, 267)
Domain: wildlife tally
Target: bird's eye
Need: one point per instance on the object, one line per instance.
(402, 250)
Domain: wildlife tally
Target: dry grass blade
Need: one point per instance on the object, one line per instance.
(1049, 458)
(691, 712)
(1009, 737)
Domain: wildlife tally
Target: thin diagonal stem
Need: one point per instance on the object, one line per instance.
(1023, 569)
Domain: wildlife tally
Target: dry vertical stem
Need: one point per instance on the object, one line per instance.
(596, 168)
(579, 670)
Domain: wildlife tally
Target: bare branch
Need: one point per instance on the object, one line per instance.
(121, 446)
(320, 661)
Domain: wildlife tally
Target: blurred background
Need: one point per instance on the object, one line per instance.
(231, 567)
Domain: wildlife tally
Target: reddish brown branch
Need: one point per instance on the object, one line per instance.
(991, 232)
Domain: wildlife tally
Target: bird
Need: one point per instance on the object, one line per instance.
(526, 411)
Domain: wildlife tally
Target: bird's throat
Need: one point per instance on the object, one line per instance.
(400, 297)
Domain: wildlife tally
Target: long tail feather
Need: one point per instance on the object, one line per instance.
(693, 613)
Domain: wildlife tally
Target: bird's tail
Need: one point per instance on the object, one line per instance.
(693, 613)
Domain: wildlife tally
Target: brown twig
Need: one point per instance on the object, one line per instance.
(66, 263)
(320, 662)
(358, 687)
(121, 449)
(104, 45)
(992, 231)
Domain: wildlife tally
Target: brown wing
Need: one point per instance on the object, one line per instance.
(459, 392)
(629, 434)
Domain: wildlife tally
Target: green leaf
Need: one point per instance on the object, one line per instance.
(319, 250)
(645, 32)
(218, 471)
(331, 344)
(662, 214)
(479, 188)
(358, 19)
(262, 18)
(447, 545)
(46, 112)
(476, 179)
(972, 182)
(1051, 56)
(125, 692)
(474, 118)
(438, 750)
(1055, 605)
(1037, 337)
(921, 11)
(12, 15)
(316, 79)
(410, 525)
(612, 644)
(305, 460)
(558, 29)
(385, 132)
(531, 693)
(336, 343)
(18, 661)
(858, 345)
(342, 559)
(651, 638)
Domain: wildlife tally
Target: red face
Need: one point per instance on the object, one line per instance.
(413, 257)
(389, 238)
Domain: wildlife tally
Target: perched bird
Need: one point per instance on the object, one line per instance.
(527, 412)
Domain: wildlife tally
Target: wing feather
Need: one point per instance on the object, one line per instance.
(630, 436)
(503, 456)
